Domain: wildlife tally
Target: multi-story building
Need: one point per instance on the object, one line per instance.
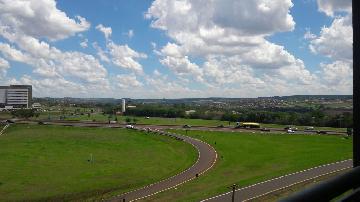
(15, 96)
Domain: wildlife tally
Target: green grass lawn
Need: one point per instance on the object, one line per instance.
(152, 120)
(51, 162)
(181, 121)
(246, 158)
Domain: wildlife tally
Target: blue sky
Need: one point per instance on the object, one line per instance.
(176, 48)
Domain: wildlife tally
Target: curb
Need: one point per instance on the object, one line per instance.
(283, 177)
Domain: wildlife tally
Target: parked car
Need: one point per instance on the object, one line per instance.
(309, 128)
(321, 132)
(186, 126)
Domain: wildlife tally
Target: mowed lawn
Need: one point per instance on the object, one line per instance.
(151, 120)
(247, 158)
(54, 162)
(184, 121)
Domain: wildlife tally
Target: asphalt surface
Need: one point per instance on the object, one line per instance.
(207, 158)
(263, 188)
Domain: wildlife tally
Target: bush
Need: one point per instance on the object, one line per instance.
(24, 113)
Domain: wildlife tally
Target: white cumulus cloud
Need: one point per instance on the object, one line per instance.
(129, 81)
(4, 65)
(329, 7)
(125, 57)
(107, 31)
(336, 40)
(39, 18)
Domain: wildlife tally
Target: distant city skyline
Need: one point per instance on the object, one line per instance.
(177, 49)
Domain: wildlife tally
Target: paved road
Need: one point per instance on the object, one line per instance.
(207, 158)
(207, 128)
(263, 188)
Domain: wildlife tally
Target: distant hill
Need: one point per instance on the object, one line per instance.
(190, 100)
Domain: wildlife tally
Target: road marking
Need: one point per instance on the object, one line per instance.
(297, 183)
(280, 178)
(3, 130)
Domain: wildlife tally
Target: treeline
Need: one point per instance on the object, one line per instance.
(25, 113)
(172, 111)
(314, 117)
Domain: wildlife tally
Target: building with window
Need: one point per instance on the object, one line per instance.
(15, 96)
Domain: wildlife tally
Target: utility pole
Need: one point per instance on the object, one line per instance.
(233, 187)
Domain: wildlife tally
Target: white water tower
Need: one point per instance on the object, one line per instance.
(123, 106)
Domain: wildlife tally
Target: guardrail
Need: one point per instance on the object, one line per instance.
(330, 189)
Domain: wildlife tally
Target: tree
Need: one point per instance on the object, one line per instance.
(23, 113)
(128, 120)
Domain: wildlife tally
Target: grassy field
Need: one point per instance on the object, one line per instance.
(183, 121)
(153, 120)
(156, 120)
(246, 158)
(54, 163)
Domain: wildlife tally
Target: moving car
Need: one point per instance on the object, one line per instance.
(293, 128)
(290, 131)
(130, 126)
(186, 126)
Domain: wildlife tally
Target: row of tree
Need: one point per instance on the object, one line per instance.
(25, 113)
(157, 111)
(314, 117)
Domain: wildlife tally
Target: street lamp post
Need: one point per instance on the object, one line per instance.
(233, 187)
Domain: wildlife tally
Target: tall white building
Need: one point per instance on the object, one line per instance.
(123, 106)
(15, 96)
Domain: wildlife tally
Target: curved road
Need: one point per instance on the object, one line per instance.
(206, 159)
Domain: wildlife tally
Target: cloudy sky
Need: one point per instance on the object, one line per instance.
(177, 48)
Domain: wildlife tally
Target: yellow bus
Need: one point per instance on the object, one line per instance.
(249, 125)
